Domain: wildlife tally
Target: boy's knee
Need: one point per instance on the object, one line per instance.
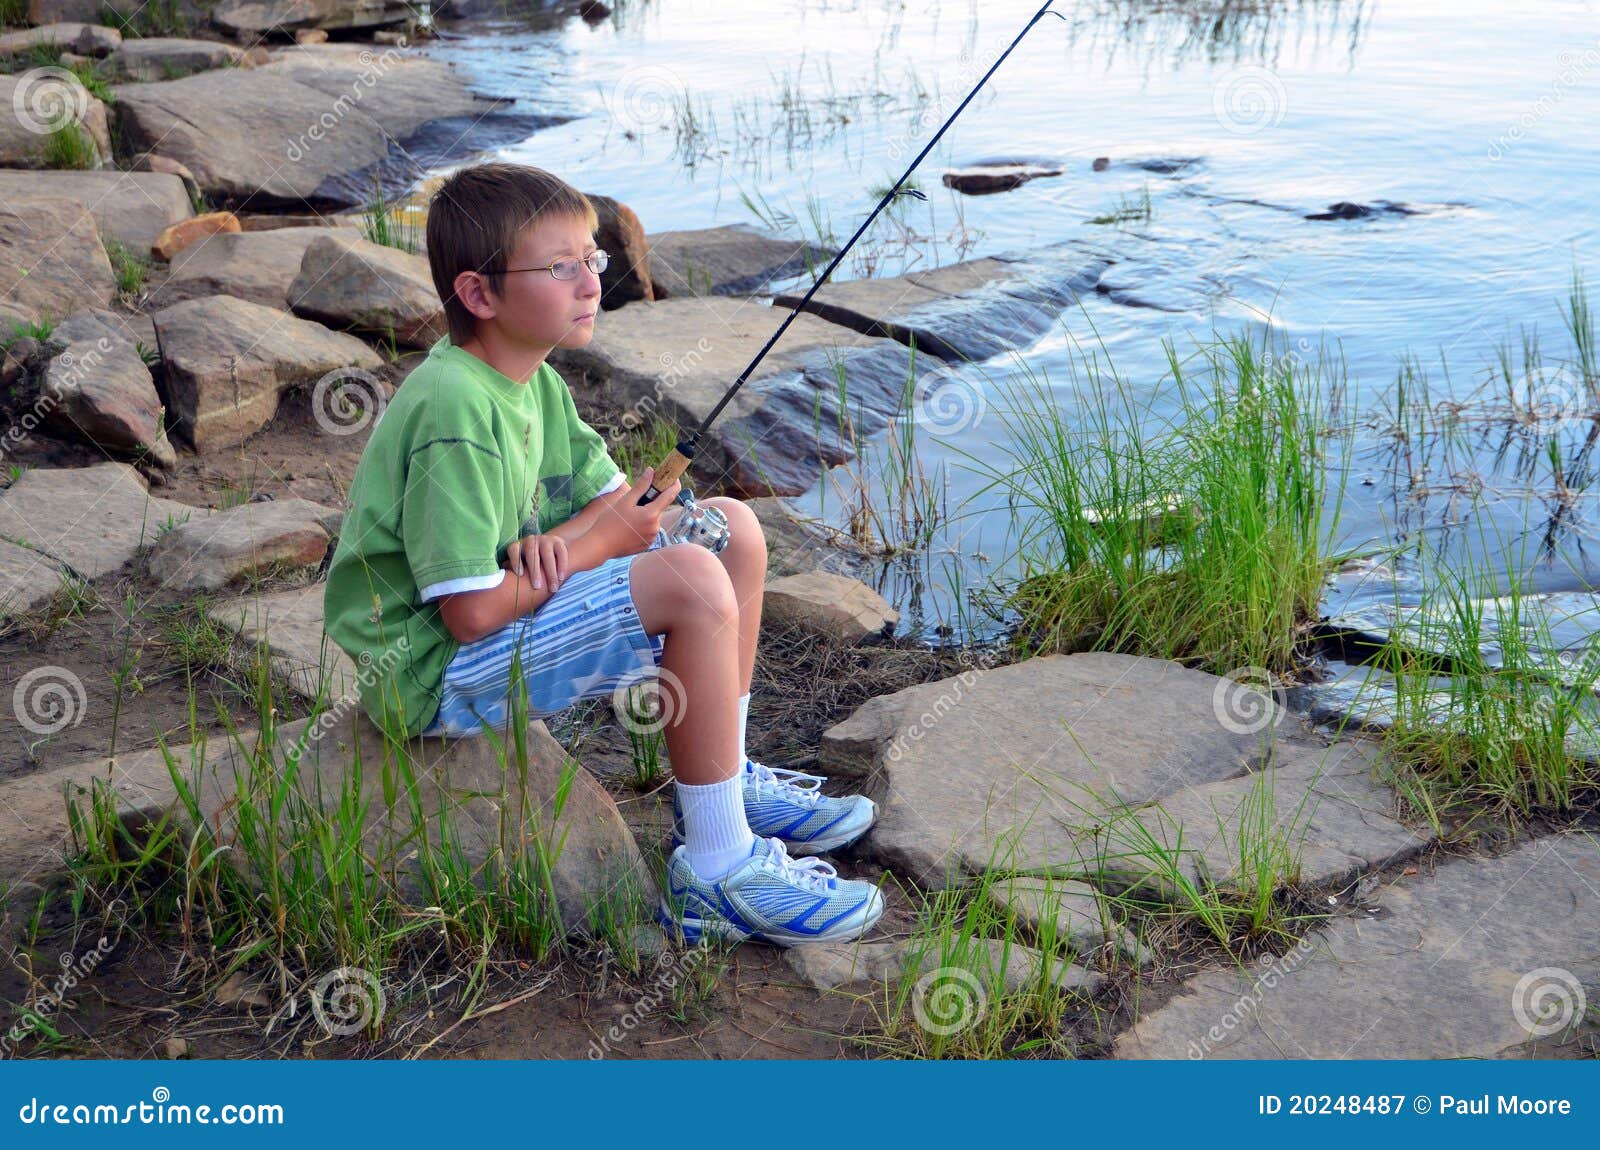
(693, 582)
(744, 527)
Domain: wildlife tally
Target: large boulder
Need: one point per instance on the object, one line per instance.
(52, 262)
(1122, 771)
(28, 579)
(730, 260)
(133, 207)
(97, 388)
(228, 362)
(349, 282)
(89, 520)
(256, 266)
(314, 127)
(39, 101)
(621, 236)
(208, 554)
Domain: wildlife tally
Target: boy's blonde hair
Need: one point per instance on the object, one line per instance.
(476, 217)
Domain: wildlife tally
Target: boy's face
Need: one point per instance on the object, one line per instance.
(537, 310)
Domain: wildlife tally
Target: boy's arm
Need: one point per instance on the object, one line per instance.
(470, 615)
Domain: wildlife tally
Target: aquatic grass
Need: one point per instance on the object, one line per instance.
(1197, 536)
(1489, 714)
(1129, 209)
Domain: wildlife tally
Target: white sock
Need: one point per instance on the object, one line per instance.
(744, 720)
(716, 836)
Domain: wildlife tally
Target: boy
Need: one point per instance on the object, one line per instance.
(481, 454)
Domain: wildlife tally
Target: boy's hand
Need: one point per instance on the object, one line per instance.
(629, 527)
(544, 555)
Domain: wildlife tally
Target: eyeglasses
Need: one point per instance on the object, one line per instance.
(595, 261)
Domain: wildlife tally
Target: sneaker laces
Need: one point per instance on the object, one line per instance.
(811, 873)
(795, 785)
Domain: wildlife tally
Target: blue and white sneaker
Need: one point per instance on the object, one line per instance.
(790, 805)
(771, 897)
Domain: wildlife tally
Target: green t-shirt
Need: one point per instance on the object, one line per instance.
(461, 462)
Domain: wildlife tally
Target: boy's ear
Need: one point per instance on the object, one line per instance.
(472, 289)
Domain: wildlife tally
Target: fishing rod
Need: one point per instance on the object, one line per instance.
(682, 455)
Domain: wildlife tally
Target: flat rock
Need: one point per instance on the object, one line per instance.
(289, 623)
(1015, 968)
(99, 390)
(730, 260)
(258, 267)
(846, 610)
(135, 207)
(91, 520)
(228, 361)
(766, 441)
(170, 58)
(598, 860)
(27, 579)
(208, 554)
(351, 283)
(1443, 971)
(92, 323)
(52, 262)
(966, 311)
(84, 39)
(36, 102)
(1055, 764)
(257, 17)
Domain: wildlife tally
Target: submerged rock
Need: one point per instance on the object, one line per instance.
(987, 177)
(966, 311)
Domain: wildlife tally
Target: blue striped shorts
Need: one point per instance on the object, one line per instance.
(583, 643)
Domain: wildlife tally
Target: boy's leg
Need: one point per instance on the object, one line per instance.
(724, 880)
(745, 561)
(684, 594)
(783, 803)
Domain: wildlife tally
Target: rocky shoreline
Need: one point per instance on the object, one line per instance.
(185, 306)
